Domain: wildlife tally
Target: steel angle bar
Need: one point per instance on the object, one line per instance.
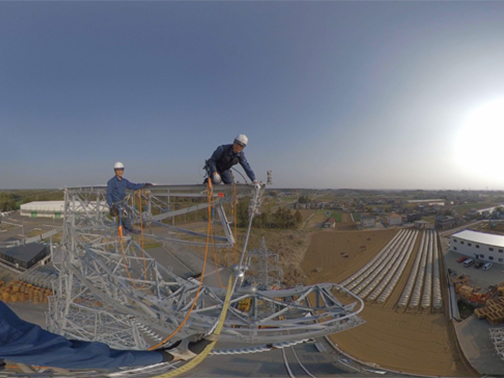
(100, 276)
(200, 187)
(186, 195)
(174, 213)
(190, 209)
(187, 242)
(186, 231)
(120, 308)
(153, 267)
(225, 225)
(234, 316)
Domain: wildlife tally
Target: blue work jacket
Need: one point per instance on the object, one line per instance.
(21, 341)
(224, 158)
(116, 189)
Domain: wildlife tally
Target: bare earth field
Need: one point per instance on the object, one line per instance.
(333, 255)
(421, 342)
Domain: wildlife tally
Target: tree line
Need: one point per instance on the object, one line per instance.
(304, 199)
(12, 199)
(282, 218)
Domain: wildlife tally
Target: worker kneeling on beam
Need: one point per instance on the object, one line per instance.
(224, 157)
(116, 192)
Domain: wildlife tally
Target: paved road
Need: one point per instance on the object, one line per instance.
(18, 227)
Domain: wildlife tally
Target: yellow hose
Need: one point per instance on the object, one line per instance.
(201, 357)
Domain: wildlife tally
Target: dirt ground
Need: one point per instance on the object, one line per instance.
(419, 343)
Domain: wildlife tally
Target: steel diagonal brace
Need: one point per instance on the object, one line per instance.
(118, 306)
(197, 207)
(156, 321)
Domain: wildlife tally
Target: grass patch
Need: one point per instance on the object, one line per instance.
(476, 205)
(33, 233)
(356, 217)
(338, 216)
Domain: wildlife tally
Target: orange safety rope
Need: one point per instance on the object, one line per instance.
(143, 249)
(209, 228)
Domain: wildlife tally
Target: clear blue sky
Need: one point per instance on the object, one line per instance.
(330, 94)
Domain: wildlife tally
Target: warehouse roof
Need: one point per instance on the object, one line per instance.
(59, 206)
(44, 206)
(24, 252)
(480, 237)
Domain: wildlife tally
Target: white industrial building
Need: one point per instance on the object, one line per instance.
(486, 247)
(394, 219)
(54, 209)
(430, 202)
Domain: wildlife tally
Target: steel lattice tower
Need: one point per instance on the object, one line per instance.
(265, 271)
(110, 289)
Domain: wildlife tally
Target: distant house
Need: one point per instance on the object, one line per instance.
(445, 221)
(394, 219)
(414, 217)
(471, 214)
(422, 225)
(368, 221)
(329, 223)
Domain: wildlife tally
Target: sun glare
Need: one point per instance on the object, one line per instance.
(478, 145)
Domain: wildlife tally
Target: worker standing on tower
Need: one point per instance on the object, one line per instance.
(116, 192)
(224, 157)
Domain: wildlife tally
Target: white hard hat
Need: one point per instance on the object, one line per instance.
(118, 165)
(241, 139)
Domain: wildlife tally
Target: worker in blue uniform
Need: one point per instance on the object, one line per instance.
(224, 157)
(24, 342)
(116, 192)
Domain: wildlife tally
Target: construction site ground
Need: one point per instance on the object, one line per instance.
(473, 333)
(419, 342)
(473, 336)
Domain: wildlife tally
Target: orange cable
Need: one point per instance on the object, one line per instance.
(209, 195)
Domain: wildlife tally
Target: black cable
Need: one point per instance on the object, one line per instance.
(244, 179)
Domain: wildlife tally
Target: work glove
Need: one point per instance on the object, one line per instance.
(187, 348)
(216, 178)
(114, 211)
